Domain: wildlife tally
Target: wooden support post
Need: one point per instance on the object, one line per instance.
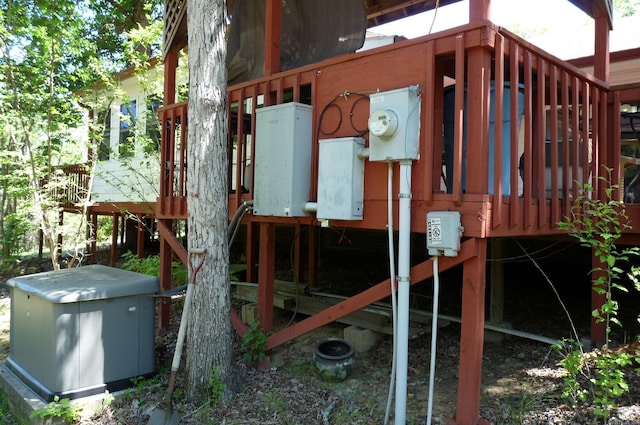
(266, 275)
(298, 269)
(123, 228)
(479, 10)
(601, 58)
(170, 66)
(114, 240)
(273, 23)
(478, 93)
(472, 337)
(59, 244)
(140, 236)
(312, 252)
(251, 252)
(166, 257)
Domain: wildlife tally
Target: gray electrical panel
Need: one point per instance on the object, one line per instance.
(394, 124)
(340, 179)
(81, 331)
(282, 170)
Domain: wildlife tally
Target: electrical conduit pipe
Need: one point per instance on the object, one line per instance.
(392, 279)
(404, 240)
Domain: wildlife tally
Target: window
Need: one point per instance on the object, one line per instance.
(104, 123)
(126, 147)
(152, 141)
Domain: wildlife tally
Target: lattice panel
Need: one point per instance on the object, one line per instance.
(174, 18)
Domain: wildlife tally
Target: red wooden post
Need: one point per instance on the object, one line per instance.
(140, 237)
(601, 48)
(114, 240)
(251, 252)
(164, 309)
(600, 70)
(266, 275)
(479, 10)
(298, 263)
(477, 111)
(272, 27)
(472, 337)
(170, 65)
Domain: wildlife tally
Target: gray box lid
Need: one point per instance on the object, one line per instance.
(87, 283)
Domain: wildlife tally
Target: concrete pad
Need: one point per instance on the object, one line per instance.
(23, 400)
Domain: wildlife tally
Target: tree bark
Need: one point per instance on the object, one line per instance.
(210, 332)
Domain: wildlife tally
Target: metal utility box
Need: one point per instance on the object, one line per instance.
(444, 230)
(78, 332)
(394, 124)
(282, 170)
(340, 179)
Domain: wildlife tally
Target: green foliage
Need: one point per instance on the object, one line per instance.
(216, 387)
(151, 266)
(626, 7)
(575, 363)
(58, 408)
(254, 343)
(140, 383)
(598, 224)
(51, 54)
(4, 407)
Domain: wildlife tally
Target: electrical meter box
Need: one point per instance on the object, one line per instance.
(444, 231)
(394, 124)
(340, 179)
(282, 169)
(81, 331)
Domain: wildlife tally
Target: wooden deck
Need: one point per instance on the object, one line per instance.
(557, 102)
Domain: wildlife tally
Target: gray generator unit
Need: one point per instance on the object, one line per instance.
(78, 332)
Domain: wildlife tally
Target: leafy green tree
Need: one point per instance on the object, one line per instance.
(51, 51)
(626, 7)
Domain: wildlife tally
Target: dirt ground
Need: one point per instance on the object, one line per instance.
(521, 382)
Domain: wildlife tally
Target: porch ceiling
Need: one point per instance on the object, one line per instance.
(378, 12)
(382, 11)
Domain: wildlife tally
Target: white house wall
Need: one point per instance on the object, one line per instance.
(136, 178)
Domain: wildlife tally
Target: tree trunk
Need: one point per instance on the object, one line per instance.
(210, 332)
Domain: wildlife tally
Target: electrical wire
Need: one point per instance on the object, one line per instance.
(435, 13)
(434, 337)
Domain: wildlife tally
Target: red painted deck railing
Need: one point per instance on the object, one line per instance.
(172, 201)
(508, 139)
(69, 186)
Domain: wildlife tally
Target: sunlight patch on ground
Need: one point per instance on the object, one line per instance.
(546, 372)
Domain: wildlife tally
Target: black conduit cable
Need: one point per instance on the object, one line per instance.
(232, 230)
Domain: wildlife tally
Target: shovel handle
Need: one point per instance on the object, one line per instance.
(193, 271)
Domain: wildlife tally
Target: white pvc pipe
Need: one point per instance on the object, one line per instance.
(404, 264)
(434, 336)
(392, 278)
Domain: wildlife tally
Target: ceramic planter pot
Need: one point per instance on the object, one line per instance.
(334, 359)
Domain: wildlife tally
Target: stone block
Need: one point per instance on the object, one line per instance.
(361, 338)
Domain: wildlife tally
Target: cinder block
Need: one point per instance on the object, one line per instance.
(249, 313)
(361, 338)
